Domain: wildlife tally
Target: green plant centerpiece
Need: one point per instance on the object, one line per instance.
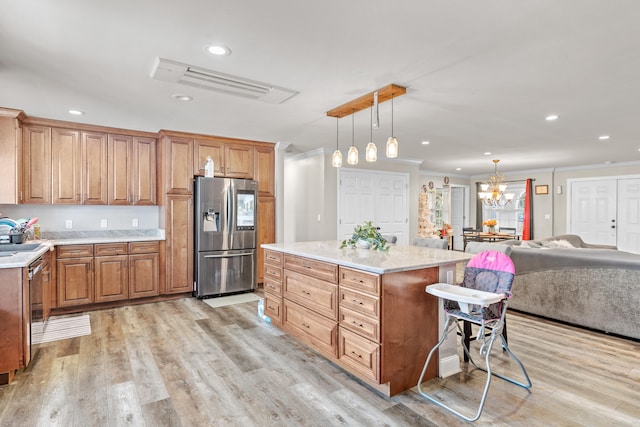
(366, 235)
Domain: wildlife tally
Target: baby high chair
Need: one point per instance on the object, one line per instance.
(480, 299)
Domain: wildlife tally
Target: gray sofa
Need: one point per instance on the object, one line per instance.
(566, 279)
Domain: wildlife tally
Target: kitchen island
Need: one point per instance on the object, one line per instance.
(366, 311)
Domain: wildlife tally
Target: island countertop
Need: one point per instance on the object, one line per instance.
(397, 258)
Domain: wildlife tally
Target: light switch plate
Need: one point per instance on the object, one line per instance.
(134, 222)
(68, 224)
(103, 223)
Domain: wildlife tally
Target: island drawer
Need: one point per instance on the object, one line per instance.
(273, 308)
(273, 287)
(311, 267)
(318, 331)
(272, 272)
(273, 258)
(108, 249)
(74, 251)
(316, 295)
(144, 247)
(360, 324)
(359, 354)
(360, 280)
(362, 303)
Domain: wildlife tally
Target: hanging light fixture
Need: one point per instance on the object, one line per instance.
(371, 153)
(352, 155)
(336, 157)
(493, 191)
(392, 142)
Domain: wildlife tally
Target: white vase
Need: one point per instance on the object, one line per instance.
(364, 244)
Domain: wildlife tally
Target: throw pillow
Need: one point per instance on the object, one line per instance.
(557, 244)
(529, 244)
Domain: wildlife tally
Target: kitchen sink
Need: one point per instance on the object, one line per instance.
(19, 247)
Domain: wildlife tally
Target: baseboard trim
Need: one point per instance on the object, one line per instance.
(449, 365)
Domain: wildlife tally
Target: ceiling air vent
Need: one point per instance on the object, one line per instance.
(176, 72)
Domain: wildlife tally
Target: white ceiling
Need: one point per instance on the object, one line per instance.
(481, 75)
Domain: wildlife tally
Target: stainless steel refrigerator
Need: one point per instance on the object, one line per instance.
(225, 236)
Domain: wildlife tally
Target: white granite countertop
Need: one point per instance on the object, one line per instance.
(23, 259)
(398, 258)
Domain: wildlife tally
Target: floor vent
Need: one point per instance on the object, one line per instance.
(176, 72)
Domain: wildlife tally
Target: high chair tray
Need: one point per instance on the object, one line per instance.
(461, 294)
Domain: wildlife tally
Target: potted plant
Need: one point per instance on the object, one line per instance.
(366, 236)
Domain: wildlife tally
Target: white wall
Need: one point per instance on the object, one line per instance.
(53, 217)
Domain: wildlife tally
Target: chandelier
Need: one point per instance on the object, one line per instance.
(493, 191)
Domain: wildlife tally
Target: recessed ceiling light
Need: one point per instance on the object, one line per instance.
(551, 117)
(76, 112)
(603, 137)
(181, 97)
(425, 142)
(217, 49)
(487, 153)
(608, 162)
(458, 169)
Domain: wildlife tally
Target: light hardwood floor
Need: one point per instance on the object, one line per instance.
(184, 363)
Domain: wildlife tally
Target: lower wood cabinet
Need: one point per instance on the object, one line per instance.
(143, 275)
(308, 326)
(74, 268)
(111, 278)
(359, 354)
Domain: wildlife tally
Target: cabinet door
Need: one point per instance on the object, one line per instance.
(143, 275)
(238, 161)
(204, 148)
(178, 165)
(94, 168)
(119, 169)
(143, 172)
(179, 244)
(264, 170)
(75, 281)
(11, 154)
(36, 150)
(266, 230)
(65, 165)
(112, 278)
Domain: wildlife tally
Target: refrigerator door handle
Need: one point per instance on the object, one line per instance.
(229, 256)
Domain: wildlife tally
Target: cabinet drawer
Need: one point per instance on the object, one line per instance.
(106, 249)
(318, 331)
(273, 287)
(273, 258)
(360, 280)
(272, 272)
(144, 247)
(313, 268)
(359, 354)
(360, 324)
(273, 308)
(74, 251)
(360, 302)
(317, 295)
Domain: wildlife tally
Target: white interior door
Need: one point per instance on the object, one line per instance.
(458, 213)
(375, 196)
(628, 221)
(593, 210)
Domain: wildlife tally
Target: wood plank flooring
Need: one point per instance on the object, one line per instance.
(183, 363)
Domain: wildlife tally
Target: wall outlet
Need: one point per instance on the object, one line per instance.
(134, 222)
(103, 223)
(68, 224)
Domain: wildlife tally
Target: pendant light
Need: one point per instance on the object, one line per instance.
(336, 158)
(352, 155)
(392, 142)
(371, 153)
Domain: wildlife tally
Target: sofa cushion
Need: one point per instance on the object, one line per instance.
(557, 244)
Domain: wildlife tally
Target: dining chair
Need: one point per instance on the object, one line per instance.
(508, 230)
(431, 243)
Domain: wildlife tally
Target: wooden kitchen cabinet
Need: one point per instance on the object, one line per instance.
(266, 231)
(264, 171)
(65, 166)
(177, 165)
(230, 159)
(93, 168)
(131, 170)
(144, 270)
(11, 156)
(14, 339)
(75, 281)
(179, 244)
(36, 159)
(273, 278)
(111, 277)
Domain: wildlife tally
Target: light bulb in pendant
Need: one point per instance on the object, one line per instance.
(336, 159)
(392, 147)
(352, 155)
(371, 153)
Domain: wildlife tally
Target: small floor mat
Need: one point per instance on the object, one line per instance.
(231, 299)
(61, 328)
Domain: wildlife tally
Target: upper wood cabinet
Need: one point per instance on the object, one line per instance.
(131, 170)
(65, 166)
(11, 156)
(93, 172)
(265, 170)
(36, 157)
(177, 165)
(230, 159)
(266, 230)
